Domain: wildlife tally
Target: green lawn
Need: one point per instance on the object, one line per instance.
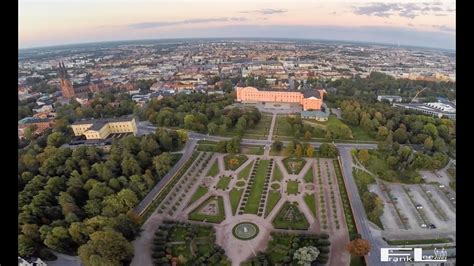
(277, 175)
(294, 165)
(260, 129)
(308, 177)
(214, 170)
(290, 217)
(252, 149)
(282, 127)
(257, 188)
(360, 134)
(223, 182)
(200, 191)
(234, 161)
(235, 195)
(195, 215)
(272, 200)
(244, 174)
(292, 187)
(310, 201)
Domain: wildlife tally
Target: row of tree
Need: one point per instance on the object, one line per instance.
(296, 149)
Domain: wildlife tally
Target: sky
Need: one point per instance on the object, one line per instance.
(426, 23)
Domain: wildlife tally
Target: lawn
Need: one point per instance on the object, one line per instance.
(310, 201)
(282, 127)
(200, 191)
(360, 134)
(294, 165)
(234, 161)
(272, 200)
(292, 187)
(235, 195)
(244, 174)
(351, 225)
(277, 175)
(223, 182)
(290, 217)
(195, 215)
(257, 188)
(308, 177)
(260, 129)
(252, 149)
(214, 170)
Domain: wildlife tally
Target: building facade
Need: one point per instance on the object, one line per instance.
(71, 91)
(102, 128)
(310, 100)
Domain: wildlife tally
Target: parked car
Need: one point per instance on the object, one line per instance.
(419, 207)
(432, 226)
(423, 225)
(441, 186)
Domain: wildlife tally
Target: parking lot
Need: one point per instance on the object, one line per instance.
(417, 211)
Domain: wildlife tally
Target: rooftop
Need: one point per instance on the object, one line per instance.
(103, 120)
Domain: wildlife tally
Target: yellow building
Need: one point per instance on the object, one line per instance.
(102, 128)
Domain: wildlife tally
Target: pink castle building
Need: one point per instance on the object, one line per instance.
(310, 99)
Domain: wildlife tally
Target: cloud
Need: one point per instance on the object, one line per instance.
(158, 24)
(407, 10)
(444, 28)
(266, 11)
(411, 25)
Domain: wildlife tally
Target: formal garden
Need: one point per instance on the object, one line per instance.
(290, 217)
(211, 210)
(186, 244)
(294, 165)
(234, 161)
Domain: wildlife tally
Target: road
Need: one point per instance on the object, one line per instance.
(373, 258)
(187, 152)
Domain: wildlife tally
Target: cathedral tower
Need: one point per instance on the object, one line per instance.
(66, 84)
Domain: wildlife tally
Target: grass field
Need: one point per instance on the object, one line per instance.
(310, 201)
(234, 161)
(235, 195)
(360, 134)
(200, 191)
(261, 129)
(195, 215)
(308, 177)
(214, 170)
(277, 175)
(282, 127)
(244, 174)
(290, 217)
(272, 200)
(292, 187)
(223, 182)
(257, 188)
(252, 149)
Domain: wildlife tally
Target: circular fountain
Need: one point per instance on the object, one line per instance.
(245, 231)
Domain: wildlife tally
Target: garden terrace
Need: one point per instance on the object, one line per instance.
(290, 217)
(294, 165)
(211, 210)
(233, 162)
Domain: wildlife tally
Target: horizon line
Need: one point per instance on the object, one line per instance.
(237, 38)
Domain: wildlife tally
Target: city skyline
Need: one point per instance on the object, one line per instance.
(417, 23)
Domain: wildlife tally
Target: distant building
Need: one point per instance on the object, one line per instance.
(316, 115)
(434, 109)
(310, 100)
(390, 98)
(102, 128)
(41, 124)
(71, 91)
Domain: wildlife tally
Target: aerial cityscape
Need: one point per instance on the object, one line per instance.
(216, 150)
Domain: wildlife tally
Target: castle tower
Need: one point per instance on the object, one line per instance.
(66, 84)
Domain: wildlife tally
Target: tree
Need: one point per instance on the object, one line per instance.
(307, 135)
(363, 156)
(306, 255)
(298, 151)
(162, 163)
(439, 145)
(400, 135)
(277, 145)
(26, 246)
(428, 144)
(56, 139)
(212, 128)
(310, 151)
(328, 150)
(110, 247)
(358, 247)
